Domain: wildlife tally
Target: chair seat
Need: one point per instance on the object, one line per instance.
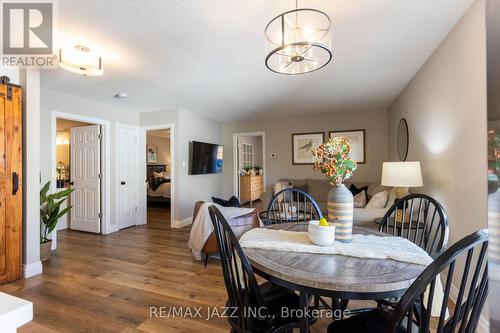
(374, 321)
(276, 298)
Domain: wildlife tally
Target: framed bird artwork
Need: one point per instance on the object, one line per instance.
(303, 145)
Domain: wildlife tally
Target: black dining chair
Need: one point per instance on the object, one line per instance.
(292, 205)
(467, 261)
(258, 308)
(420, 219)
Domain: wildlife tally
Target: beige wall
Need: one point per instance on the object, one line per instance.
(256, 142)
(188, 127)
(55, 101)
(445, 106)
(194, 127)
(163, 145)
(279, 140)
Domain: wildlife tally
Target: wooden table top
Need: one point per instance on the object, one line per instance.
(334, 273)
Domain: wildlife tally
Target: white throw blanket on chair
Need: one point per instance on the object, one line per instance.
(203, 227)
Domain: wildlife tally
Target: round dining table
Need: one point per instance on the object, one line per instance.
(336, 276)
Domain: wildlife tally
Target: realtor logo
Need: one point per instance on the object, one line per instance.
(27, 33)
(27, 28)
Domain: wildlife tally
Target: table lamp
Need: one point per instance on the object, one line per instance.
(401, 175)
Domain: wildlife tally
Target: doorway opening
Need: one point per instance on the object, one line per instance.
(80, 160)
(249, 167)
(158, 173)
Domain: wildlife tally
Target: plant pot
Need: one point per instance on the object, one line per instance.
(60, 183)
(340, 212)
(45, 250)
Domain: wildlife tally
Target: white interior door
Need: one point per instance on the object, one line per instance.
(85, 178)
(127, 176)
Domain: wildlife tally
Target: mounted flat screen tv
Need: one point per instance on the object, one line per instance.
(205, 158)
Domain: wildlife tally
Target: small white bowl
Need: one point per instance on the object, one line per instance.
(321, 235)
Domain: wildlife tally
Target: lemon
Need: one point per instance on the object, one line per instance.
(323, 222)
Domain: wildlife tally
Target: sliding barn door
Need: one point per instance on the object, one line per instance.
(85, 178)
(11, 194)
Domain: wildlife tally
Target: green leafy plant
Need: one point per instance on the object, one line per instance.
(334, 161)
(494, 150)
(247, 168)
(50, 210)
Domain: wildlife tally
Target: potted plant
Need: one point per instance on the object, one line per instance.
(258, 170)
(50, 213)
(335, 163)
(493, 160)
(247, 170)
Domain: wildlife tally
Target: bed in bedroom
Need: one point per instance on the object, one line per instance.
(158, 184)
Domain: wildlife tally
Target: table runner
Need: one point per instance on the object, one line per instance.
(362, 246)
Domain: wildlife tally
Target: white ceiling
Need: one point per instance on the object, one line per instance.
(208, 56)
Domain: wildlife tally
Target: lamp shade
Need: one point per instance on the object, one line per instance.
(402, 174)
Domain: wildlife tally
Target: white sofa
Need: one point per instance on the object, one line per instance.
(319, 188)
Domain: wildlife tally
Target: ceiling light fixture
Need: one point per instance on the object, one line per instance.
(81, 61)
(121, 95)
(298, 41)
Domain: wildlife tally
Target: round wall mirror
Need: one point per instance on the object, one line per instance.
(403, 140)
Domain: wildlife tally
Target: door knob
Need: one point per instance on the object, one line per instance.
(122, 182)
(72, 183)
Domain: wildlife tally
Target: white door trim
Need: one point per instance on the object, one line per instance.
(117, 174)
(236, 178)
(142, 170)
(106, 227)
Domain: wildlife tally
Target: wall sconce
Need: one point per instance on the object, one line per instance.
(61, 139)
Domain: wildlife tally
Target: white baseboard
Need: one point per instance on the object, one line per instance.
(32, 269)
(181, 223)
(483, 325)
(112, 228)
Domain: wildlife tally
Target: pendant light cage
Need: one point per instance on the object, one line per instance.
(298, 41)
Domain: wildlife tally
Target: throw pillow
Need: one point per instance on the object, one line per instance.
(377, 189)
(302, 187)
(360, 200)
(392, 197)
(379, 200)
(161, 174)
(232, 202)
(354, 190)
(279, 186)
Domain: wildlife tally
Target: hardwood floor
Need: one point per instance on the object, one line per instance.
(97, 283)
